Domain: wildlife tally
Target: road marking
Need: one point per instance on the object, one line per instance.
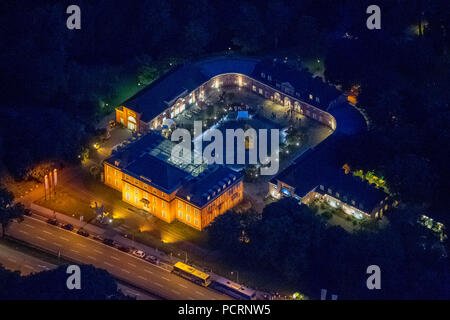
(40, 238)
(12, 260)
(81, 245)
(174, 291)
(74, 251)
(62, 238)
(28, 266)
(98, 251)
(29, 226)
(24, 232)
(132, 293)
(141, 277)
(47, 232)
(199, 293)
(44, 267)
(165, 278)
(158, 284)
(115, 258)
(182, 285)
(90, 257)
(108, 264)
(133, 265)
(125, 270)
(146, 270)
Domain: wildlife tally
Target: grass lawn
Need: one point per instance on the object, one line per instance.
(70, 205)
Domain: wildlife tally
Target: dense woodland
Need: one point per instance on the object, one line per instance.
(55, 84)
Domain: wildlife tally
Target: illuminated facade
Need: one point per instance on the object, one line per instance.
(168, 192)
(315, 177)
(190, 84)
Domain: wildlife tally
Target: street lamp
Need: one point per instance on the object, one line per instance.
(237, 275)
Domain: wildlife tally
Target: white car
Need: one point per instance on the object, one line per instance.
(139, 253)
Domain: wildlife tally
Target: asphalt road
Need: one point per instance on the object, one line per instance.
(26, 264)
(123, 266)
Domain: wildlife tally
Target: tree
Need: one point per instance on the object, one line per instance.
(277, 19)
(96, 284)
(224, 231)
(311, 42)
(8, 209)
(248, 29)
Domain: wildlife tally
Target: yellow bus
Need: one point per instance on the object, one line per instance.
(192, 274)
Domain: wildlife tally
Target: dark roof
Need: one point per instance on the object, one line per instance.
(302, 81)
(130, 152)
(156, 172)
(319, 167)
(153, 99)
(199, 188)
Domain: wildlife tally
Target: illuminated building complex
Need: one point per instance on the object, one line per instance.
(316, 176)
(151, 180)
(196, 195)
(191, 83)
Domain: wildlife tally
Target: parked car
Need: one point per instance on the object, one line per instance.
(99, 238)
(108, 242)
(67, 226)
(123, 248)
(139, 253)
(27, 212)
(83, 233)
(53, 222)
(152, 259)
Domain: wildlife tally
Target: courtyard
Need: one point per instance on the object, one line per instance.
(220, 110)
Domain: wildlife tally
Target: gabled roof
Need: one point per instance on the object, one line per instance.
(319, 167)
(302, 81)
(207, 184)
(153, 100)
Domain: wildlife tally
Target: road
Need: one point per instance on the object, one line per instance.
(26, 264)
(122, 266)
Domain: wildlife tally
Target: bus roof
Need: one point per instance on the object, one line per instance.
(191, 270)
(235, 286)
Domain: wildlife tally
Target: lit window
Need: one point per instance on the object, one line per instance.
(311, 97)
(127, 196)
(196, 221)
(180, 214)
(188, 218)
